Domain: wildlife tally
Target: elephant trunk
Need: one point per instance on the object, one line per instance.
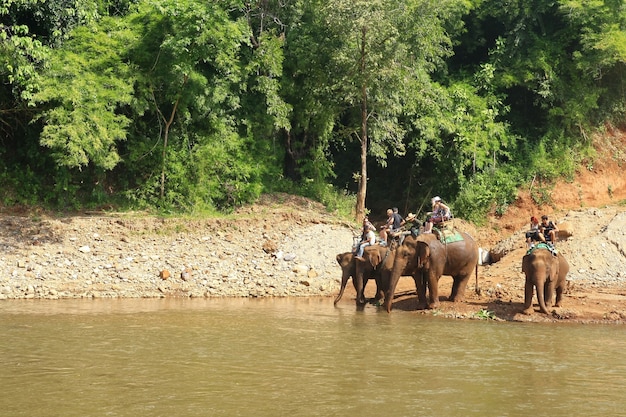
(344, 281)
(393, 282)
(541, 299)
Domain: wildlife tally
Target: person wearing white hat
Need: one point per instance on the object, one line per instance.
(440, 213)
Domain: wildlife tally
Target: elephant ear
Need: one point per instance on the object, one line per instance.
(374, 258)
(342, 258)
(339, 258)
(423, 255)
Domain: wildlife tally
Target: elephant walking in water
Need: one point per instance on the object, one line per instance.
(547, 273)
(347, 262)
(378, 261)
(429, 259)
(371, 266)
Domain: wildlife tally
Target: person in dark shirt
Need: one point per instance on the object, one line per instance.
(393, 224)
(548, 229)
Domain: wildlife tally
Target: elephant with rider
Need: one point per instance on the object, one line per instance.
(546, 271)
(348, 263)
(429, 258)
(381, 260)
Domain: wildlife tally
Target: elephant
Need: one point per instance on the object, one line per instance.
(347, 262)
(377, 261)
(371, 265)
(429, 259)
(547, 273)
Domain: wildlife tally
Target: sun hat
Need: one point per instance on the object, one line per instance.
(435, 199)
(410, 217)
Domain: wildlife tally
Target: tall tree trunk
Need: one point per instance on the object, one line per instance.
(168, 124)
(362, 191)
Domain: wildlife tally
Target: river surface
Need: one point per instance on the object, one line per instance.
(297, 357)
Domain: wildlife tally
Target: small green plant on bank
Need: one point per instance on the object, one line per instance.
(610, 190)
(580, 195)
(542, 196)
(485, 315)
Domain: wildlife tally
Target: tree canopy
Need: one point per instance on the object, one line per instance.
(194, 105)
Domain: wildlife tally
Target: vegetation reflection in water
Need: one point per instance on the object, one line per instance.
(297, 357)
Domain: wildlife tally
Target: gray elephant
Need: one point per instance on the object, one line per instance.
(379, 262)
(347, 262)
(371, 266)
(430, 258)
(547, 272)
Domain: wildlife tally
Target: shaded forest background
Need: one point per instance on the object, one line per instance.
(201, 106)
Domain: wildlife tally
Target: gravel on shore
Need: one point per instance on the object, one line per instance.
(108, 256)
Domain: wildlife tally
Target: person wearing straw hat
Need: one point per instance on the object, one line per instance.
(410, 222)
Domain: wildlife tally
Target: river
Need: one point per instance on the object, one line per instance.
(296, 357)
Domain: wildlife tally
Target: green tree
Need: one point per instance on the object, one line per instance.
(20, 55)
(81, 91)
(188, 59)
(599, 54)
(383, 51)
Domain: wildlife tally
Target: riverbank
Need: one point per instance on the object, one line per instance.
(285, 246)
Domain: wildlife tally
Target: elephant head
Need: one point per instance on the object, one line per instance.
(348, 269)
(547, 273)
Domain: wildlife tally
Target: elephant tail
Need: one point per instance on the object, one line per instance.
(477, 287)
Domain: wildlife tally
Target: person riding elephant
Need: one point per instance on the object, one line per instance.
(347, 263)
(429, 258)
(546, 272)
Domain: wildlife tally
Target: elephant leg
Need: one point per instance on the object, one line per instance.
(433, 291)
(559, 295)
(420, 287)
(458, 288)
(528, 296)
(380, 293)
(360, 293)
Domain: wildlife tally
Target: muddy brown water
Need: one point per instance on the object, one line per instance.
(296, 357)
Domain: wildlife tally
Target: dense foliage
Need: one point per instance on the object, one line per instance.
(194, 105)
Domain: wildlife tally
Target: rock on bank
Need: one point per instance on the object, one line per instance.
(286, 253)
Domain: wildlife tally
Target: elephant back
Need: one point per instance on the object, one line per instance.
(462, 251)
